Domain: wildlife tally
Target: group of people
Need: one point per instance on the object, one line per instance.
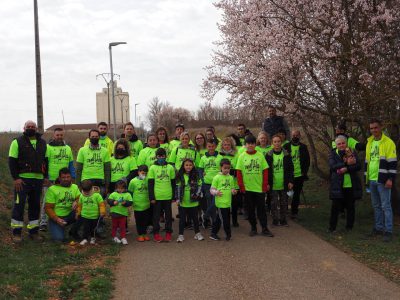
(212, 180)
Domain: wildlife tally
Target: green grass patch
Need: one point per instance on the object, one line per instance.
(382, 257)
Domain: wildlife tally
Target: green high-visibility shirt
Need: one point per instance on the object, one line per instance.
(278, 172)
(295, 152)
(62, 198)
(93, 161)
(90, 205)
(120, 197)
(224, 184)
(252, 167)
(210, 165)
(120, 168)
(147, 157)
(59, 157)
(162, 176)
(373, 166)
(140, 194)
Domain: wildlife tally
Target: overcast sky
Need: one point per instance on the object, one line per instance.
(169, 43)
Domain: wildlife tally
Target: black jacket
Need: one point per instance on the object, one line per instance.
(287, 168)
(336, 180)
(304, 157)
(273, 125)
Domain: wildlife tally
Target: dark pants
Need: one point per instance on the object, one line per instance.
(208, 204)
(89, 225)
(31, 192)
(297, 188)
(235, 208)
(164, 205)
(256, 201)
(142, 219)
(279, 205)
(268, 202)
(347, 202)
(222, 215)
(191, 213)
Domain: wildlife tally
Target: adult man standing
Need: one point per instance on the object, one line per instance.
(176, 140)
(104, 140)
(242, 132)
(93, 163)
(59, 156)
(28, 167)
(135, 144)
(274, 123)
(301, 164)
(380, 171)
(352, 143)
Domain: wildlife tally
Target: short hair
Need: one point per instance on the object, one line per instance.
(341, 138)
(211, 128)
(212, 141)
(150, 135)
(143, 168)
(241, 125)
(341, 126)
(375, 120)
(224, 161)
(58, 129)
(94, 130)
(86, 185)
(180, 125)
(128, 124)
(250, 139)
(185, 133)
(161, 152)
(64, 171)
(276, 136)
(120, 183)
(102, 124)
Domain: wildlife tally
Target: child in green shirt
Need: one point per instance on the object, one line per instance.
(161, 180)
(90, 207)
(119, 202)
(141, 203)
(147, 155)
(223, 188)
(188, 194)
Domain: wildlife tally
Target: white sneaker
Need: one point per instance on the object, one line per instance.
(198, 236)
(180, 238)
(83, 242)
(124, 241)
(116, 240)
(92, 241)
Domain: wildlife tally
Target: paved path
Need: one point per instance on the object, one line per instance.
(295, 264)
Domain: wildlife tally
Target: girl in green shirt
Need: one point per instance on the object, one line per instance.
(200, 144)
(183, 151)
(188, 194)
(163, 139)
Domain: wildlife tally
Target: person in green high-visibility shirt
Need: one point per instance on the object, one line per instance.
(28, 167)
(210, 135)
(59, 155)
(104, 140)
(163, 139)
(380, 172)
(301, 163)
(183, 151)
(352, 143)
(280, 179)
(148, 154)
(135, 144)
(176, 140)
(242, 132)
(200, 144)
(93, 163)
(345, 185)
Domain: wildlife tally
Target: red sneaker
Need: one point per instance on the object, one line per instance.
(157, 238)
(168, 237)
(140, 238)
(146, 238)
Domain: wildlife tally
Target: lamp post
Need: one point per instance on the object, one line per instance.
(105, 75)
(136, 104)
(39, 98)
(110, 45)
(121, 98)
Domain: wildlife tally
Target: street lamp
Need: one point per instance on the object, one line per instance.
(136, 104)
(110, 45)
(105, 75)
(121, 97)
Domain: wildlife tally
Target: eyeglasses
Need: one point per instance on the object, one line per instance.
(200, 138)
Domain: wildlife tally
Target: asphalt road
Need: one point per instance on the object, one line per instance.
(295, 264)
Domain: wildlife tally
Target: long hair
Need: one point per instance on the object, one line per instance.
(204, 141)
(123, 142)
(166, 134)
(193, 177)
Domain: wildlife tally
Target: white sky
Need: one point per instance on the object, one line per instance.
(169, 43)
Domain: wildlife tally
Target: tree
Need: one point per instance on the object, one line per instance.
(155, 107)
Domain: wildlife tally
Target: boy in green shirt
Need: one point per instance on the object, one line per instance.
(223, 187)
(252, 174)
(90, 207)
(141, 204)
(280, 178)
(161, 180)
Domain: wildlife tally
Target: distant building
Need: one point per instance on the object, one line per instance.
(73, 127)
(122, 111)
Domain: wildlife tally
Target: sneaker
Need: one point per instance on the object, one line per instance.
(124, 241)
(157, 238)
(116, 240)
(140, 238)
(17, 238)
(198, 236)
(43, 228)
(36, 237)
(83, 242)
(275, 222)
(253, 233)
(127, 231)
(180, 238)
(168, 237)
(235, 224)
(387, 237)
(228, 238)
(284, 223)
(267, 233)
(146, 238)
(92, 241)
(375, 233)
(214, 237)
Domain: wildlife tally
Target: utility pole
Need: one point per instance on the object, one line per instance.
(121, 97)
(104, 76)
(39, 98)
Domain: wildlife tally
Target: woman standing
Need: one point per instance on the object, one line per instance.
(163, 139)
(345, 185)
(183, 151)
(135, 144)
(200, 143)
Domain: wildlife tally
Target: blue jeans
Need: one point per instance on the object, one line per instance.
(381, 203)
(57, 232)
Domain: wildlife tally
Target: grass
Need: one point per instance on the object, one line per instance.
(48, 270)
(380, 256)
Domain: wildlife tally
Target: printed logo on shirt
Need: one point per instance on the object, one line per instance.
(96, 159)
(253, 166)
(88, 201)
(62, 155)
(295, 155)
(67, 199)
(375, 153)
(119, 168)
(142, 188)
(186, 156)
(163, 175)
(278, 165)
(226, 184)
(210, 164)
